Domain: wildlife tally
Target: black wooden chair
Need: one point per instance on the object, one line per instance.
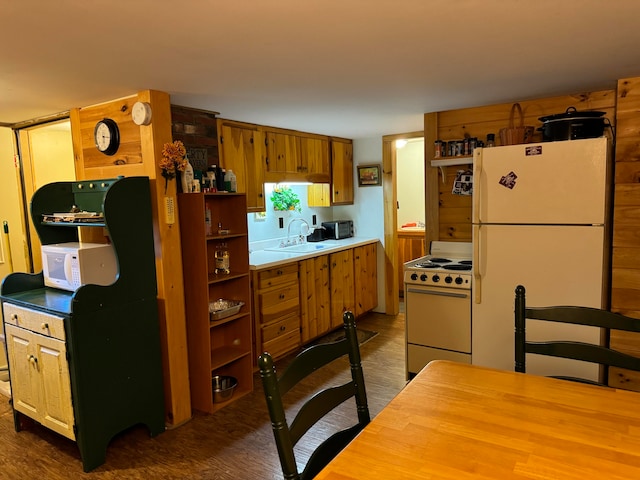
(315, 408)
(565, 348)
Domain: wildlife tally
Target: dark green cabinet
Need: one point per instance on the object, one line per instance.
(108, 337)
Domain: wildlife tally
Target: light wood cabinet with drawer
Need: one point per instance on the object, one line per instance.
(37, 355)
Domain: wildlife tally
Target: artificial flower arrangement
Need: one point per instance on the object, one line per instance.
(174, 160)
(284, 199)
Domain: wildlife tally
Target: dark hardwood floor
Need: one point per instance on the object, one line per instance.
(235, 443)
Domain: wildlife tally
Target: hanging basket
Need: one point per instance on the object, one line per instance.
(514, 135)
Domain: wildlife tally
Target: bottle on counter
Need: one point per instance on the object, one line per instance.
(187, 178)
(211, 179)
(230, 181)
(222, 259)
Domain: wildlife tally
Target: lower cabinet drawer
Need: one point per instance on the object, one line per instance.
(281, 328)
(278, 275)
(39, 322)
(276, 303)
(283, 344)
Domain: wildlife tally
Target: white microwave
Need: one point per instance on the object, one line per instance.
(70, 265)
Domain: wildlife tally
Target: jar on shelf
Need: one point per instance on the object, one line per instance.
(222, 259)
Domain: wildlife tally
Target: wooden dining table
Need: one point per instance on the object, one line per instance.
(459, 421)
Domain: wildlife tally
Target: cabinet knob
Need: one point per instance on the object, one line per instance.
(280, 272)
(14, 317)
(32, 360)
(44, 326)
(281, 296)
(282, 328)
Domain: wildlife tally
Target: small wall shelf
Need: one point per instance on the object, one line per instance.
(449, 162)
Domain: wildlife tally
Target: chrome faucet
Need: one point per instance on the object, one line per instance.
(302, 220)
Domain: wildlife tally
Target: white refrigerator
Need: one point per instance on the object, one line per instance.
(540, 219)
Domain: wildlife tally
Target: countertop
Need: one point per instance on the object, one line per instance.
(259, 259)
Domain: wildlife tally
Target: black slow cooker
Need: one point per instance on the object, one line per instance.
(573, 125)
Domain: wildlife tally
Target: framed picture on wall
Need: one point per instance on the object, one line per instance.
(369, 175)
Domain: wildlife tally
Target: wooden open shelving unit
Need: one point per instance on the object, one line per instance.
(216, 347)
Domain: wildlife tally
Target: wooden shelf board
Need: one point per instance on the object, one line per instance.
(225, 355)
(217, 323)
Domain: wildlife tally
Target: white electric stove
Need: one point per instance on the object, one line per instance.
(438, 305)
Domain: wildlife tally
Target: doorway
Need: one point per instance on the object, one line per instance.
(390, 194)
(410, 204)
(46, 156)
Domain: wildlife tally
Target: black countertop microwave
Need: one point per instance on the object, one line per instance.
(338, 229)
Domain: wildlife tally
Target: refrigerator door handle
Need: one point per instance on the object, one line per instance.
(477, 171)
(477, 277)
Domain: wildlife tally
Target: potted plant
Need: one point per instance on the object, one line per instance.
(284, 199)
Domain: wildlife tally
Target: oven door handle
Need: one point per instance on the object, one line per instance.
(433, 292)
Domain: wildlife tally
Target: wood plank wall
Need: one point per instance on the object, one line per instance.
(622, 106)
(452, 213)
(625, 275)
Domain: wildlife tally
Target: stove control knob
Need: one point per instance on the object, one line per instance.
(424, 277)
(414, 276)
(459, 280)
(436, 278)
(448, 279)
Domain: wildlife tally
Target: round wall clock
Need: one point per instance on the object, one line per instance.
(107, 136)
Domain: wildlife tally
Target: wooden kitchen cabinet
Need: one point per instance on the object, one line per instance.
(241, 150)
(314, 162)
(341, 278)
(277, 309)
(216, 346)
(283, 156)
(341, 172)
(365, 263)
(315, 295)
(87, 364)
(319, 195)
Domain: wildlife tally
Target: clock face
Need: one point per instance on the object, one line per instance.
(107, 136)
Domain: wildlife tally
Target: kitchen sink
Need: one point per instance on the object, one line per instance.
(303, 247)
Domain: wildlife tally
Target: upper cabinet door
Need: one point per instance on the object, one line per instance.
(314, 159)
(341, 172)
(283, 152)
(241, 151)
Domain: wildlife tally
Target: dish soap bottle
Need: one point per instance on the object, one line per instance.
(187, 178)
(222, 259)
